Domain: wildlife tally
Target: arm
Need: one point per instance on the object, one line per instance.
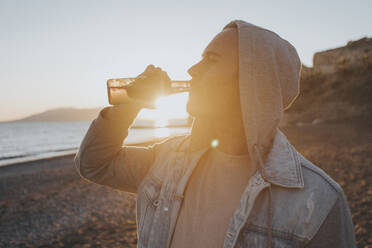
(337, 229)
(102, 158)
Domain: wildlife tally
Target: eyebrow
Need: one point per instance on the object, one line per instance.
(210, 53)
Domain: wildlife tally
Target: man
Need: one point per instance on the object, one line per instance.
(250, 188)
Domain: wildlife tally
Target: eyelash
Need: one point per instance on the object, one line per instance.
(208, 59)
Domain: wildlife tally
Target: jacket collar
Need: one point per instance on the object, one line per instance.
(282, 165)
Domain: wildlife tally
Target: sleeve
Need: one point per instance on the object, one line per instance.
(103, 159)
(337, 229)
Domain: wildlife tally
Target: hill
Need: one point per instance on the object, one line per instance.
(337, 88)
(89, 114)
(64, 115)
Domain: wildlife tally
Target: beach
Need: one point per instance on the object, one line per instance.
(45, 203)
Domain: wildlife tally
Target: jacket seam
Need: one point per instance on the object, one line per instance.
(334, 187)
(155, 178)
(298, 164)
(181, 142)
(149, 198)
(276, 233)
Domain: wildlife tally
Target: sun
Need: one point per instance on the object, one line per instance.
(169, 107)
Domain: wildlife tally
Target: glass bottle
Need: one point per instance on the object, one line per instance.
(117, 90)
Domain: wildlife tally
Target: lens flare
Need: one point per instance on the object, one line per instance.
(214, 143)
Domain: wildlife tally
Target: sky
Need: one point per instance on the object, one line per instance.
(60, 53)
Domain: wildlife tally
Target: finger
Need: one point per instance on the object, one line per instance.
(150, 67)
(158, 70)
(164, 76)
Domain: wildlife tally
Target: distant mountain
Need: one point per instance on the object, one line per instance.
(89, 114)
(64, 114)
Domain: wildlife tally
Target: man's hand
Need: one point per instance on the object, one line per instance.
(149, 85)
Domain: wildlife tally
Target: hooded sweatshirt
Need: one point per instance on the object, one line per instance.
(269, 72)
(269, 82)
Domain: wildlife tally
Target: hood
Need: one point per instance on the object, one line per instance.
(269, 75)
(269, 82)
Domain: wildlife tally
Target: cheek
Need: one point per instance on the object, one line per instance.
(216, 83)
(223, 74)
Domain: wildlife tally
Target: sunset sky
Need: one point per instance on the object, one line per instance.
(60, 53)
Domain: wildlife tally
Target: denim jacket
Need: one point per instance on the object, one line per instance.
(290, 203)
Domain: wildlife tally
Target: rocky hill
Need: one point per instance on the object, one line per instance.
(64, 115)
(337, 88)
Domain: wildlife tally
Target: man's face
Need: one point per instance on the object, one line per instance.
(214, 86)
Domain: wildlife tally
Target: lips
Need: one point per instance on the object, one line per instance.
(194, 83)
(197, 95)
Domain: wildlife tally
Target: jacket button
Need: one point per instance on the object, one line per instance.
(156, 203)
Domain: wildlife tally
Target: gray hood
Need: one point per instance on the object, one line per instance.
(269, 74)
(269, 82)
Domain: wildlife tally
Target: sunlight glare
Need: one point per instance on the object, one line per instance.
(173, 106)
(162, 132)
(161, 122)
(169, 107)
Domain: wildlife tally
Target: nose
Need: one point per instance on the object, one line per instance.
(194, 71)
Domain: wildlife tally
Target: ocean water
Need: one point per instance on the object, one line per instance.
(27, 141)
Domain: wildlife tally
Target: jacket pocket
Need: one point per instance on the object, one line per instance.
(147, 203)
(256, 236)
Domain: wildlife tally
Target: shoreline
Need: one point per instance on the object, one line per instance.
(61, 154)
(45, 203)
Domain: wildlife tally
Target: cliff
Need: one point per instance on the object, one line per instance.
(337, 88)
(354, 54)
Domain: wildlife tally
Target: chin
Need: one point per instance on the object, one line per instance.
(201, 111)
(212, 111)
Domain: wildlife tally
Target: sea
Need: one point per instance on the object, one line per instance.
(29, 141)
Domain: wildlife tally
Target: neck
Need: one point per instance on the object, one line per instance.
(229, 133)
(231, 137)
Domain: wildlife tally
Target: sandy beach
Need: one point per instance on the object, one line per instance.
(46, 204)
